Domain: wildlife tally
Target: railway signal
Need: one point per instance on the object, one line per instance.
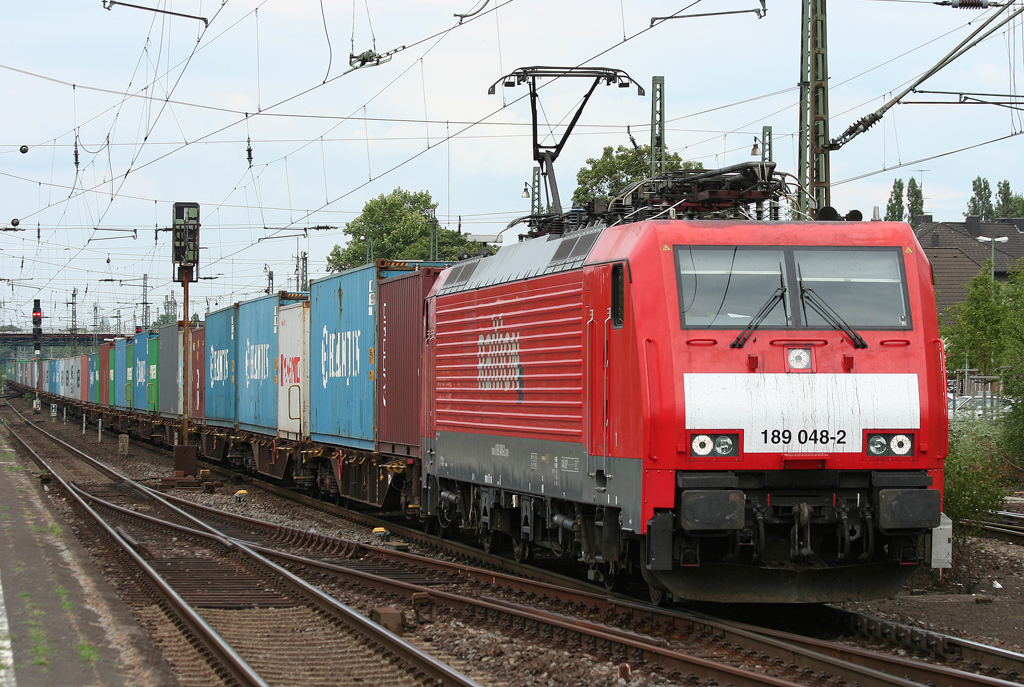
(185, 256)
(37, 325)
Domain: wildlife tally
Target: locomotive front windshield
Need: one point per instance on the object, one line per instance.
(722, 287)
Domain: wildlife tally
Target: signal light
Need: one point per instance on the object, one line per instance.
(138, 330)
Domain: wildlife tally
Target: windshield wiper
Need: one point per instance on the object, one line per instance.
(831, 316)
(757, 319)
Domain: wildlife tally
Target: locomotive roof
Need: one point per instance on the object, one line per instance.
(555, 253)
(534, 257)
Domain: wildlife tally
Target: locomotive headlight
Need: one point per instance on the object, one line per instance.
(877, 444)
(900, 444)
(702, 444)
(799, 358)
(723, 445)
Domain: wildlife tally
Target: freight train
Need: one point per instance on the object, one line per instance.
(735, 409)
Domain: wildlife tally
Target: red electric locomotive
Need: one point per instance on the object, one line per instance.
(740, 411)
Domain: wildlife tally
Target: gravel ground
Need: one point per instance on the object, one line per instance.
(983, 600)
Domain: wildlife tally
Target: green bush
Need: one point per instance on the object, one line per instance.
(974, 467)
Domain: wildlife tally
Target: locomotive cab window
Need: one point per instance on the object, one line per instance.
(726, 287)
(864, 286)
(618, 295)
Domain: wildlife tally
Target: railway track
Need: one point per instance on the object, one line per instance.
(255, 622)
(1004, 525)
(641, 633)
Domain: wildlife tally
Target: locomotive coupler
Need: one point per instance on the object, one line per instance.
(844, 532)
(800, 535)
(867, 513)
(759, 534)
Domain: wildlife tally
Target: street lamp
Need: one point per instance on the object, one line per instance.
(993, 241)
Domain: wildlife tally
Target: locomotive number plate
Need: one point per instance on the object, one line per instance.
(802, 437)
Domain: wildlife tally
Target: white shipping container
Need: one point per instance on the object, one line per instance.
(292, 371)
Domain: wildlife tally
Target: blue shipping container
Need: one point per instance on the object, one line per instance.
(220, 367)
(257, 363)
(140, 375)
(94, 378)
(121, 388)
(342, 354)
(342, 341)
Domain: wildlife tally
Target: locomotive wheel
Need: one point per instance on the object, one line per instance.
(490, 541)
(520, 550)
(614, 581)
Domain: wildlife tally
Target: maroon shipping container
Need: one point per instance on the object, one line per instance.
(400, 339)
(104, 365)
(197, 400)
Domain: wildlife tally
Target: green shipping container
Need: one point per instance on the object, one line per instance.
(110, 382)
(153, 385)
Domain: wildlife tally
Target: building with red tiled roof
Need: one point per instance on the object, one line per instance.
(957, 256)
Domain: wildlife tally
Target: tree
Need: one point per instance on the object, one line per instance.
(605, 176)
(169, 314)
(915, 201)
(1008, 203)
(976, 334)
(396, 227)
(1013, 359)
(894, 208)
(980, 203)
(972, 479)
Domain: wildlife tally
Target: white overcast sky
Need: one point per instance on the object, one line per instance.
(165, 101)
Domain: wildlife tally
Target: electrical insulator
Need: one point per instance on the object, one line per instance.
(970, 4)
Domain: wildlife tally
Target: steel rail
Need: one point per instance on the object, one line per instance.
(916, 639)
(230, 661)
(352, 619)
(916, 670)
(979, 656)
(355, 621)
(411, 534)
(974, 654)
(821, 658)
